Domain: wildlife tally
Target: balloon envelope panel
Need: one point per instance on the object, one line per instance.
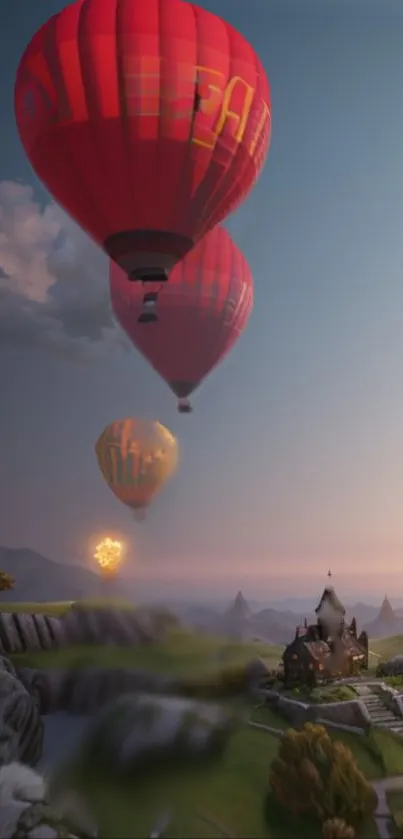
(148, 121)
(202, 311)
(136, 458)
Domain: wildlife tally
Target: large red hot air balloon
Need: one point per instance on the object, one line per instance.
(148, 122)
(201, 312)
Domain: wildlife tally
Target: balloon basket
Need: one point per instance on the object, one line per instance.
(184, 407)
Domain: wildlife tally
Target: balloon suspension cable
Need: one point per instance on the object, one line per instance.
(184, 407)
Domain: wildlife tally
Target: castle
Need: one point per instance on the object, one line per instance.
(328, 649)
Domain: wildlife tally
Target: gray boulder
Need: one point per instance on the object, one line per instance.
(7, 665)
(26, 628)
(25, 811)
(45, 686)
(10, 641)
(139, 731)
(45, 637)
(393, 667)
(86, 689)
(21, 727)
(107, 626)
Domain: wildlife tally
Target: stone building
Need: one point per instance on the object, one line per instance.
(328, 649)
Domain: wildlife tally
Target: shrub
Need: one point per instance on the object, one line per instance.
(7, 582)
(337, 829)
(398, 820)
(395, 681)
(230, 681)
(313, 774)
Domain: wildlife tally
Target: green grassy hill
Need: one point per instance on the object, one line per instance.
(383, 649)
(181, 653)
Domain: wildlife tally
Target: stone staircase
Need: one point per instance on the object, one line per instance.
(380, 715)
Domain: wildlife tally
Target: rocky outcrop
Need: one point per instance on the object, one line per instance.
(139, 731)
(83, 690)
(108, 626)
(21, 727)
(87, 689)
(26, 812)
(20, 632)
(45, 686)
(393, 667)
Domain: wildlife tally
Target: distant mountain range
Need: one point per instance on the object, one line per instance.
(278, 627)
(39, 579)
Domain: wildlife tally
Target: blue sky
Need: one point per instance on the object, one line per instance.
(293, 459)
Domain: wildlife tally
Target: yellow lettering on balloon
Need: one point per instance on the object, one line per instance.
(241, 119)
(259, 128)
(208, 104)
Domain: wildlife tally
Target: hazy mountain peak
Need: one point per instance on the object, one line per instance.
(240, 606)
(386, 612)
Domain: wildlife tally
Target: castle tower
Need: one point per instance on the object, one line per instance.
(330, 612)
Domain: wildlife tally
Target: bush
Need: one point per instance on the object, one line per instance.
(230, 681)
(398, 820)
(395, 681)
(337, 829)
(7, 582)
(313, 774)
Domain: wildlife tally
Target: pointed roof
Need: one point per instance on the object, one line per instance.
(386, 612)
(239, 607)
(329, 598)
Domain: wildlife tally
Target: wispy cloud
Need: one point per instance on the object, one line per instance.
(53, 281)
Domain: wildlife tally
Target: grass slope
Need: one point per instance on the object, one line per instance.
(61, 607)
(230, 799)
(386, 648)
(180, 652)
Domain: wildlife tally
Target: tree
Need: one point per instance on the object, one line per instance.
(337, 829)
(316, 775)
(7, 582)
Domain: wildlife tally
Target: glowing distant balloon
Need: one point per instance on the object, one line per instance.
(109, 556)
(136, 458)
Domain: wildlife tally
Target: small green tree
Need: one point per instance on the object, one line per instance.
(337, 829)
(7, 582)
(316, 775)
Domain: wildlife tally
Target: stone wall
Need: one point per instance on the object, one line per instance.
(20, 632)
(351, 713)
(390, 698)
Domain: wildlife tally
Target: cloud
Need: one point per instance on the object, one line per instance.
(53, 281)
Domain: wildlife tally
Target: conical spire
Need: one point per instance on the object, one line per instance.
(239, 607)
(386, 612)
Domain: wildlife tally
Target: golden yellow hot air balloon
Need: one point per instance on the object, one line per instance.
(136, 458)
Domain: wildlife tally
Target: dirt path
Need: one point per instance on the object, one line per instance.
(383, 816)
